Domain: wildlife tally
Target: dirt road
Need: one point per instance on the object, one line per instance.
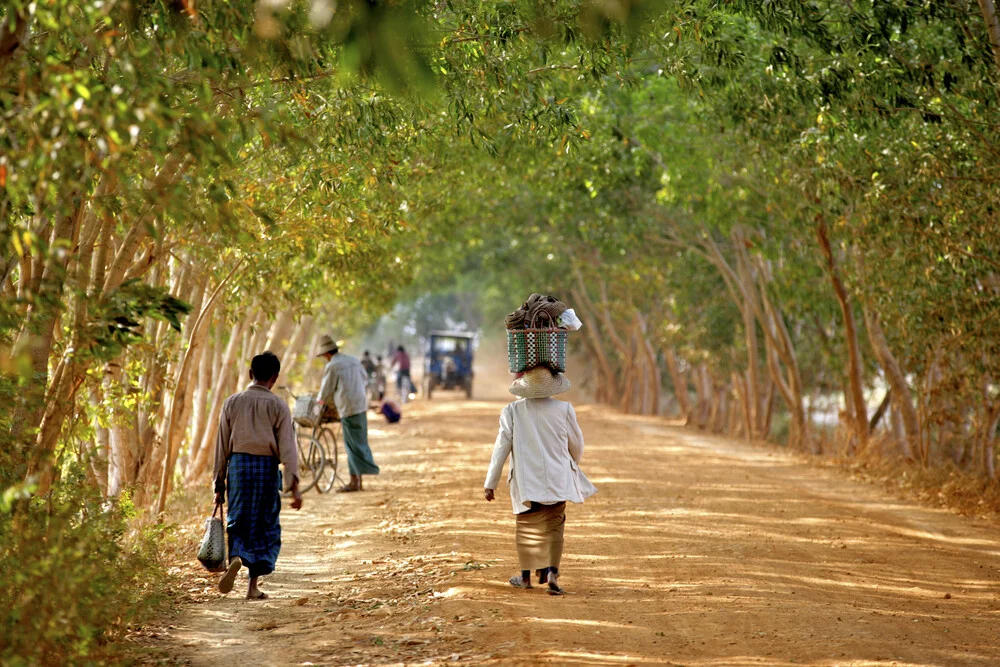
(695, 551)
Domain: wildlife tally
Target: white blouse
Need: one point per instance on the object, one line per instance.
(544, 441)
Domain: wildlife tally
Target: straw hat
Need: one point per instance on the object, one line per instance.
(539, 382)
(327, 344)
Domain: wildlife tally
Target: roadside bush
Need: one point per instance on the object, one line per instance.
(74, 574)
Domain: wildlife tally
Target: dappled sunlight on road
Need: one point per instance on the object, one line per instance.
(696, 551)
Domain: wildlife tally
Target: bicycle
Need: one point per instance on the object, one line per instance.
(317, 444)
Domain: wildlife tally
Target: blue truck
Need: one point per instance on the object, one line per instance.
(448, 362)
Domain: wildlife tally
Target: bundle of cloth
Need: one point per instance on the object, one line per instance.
(542, 312)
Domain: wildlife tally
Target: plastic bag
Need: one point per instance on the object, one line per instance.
(212, 553)
(569, 320)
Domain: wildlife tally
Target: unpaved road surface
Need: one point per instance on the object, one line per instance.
(695, 551)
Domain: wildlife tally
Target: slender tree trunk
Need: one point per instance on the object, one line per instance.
(737, 288)
(295, 344)
(850, 335)
(989, 10)
(180, 392)
(880, 412)
(281, 333)
(223, 378)
(902, 396)
(680, 383)
(121, 437)
(989, 439)
(45, 286)
(592, 334)
(98, 458)
(655, 380)
(740, 383)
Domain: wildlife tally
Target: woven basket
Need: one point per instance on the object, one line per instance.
(305, 413)
(527, 348)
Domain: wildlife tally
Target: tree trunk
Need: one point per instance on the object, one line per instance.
(294, 348)
(901, 395)
(121, 438)
(679, 380)
(737, 288)
(655, 379)
(989, 10)
(854, 364)
(224, 374)
(882, 408)
(740, 384)
(592, 334)
(171, 444)
(209, 358)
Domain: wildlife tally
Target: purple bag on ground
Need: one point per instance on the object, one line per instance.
(391, 413)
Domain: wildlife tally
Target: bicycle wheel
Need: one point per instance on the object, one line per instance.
(312, 458)
(331, 471)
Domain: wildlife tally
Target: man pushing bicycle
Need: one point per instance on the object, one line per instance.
(345, 383)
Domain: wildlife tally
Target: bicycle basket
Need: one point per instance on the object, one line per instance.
(305, 412)
(527, 348)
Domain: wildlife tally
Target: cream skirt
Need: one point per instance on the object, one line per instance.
(540, 536)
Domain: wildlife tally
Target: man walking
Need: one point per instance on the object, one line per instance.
(401, 360)
(344, 383)
(255, 433)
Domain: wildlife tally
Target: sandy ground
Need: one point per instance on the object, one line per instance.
(696, 551)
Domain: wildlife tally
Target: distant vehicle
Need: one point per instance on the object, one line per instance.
(448, 362)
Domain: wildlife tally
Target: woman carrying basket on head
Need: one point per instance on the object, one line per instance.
(542, 438)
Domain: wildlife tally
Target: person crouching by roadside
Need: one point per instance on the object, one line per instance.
(255, 434)
(544, 441)
(345, 384)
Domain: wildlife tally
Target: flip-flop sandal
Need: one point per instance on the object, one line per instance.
(347, 489)
(229, 578)
(517, 582)
(554, 587)
(262, 596)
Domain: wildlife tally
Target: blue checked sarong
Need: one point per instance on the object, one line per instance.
(254, 487)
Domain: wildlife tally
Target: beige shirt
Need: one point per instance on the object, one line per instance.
(345, 382)
(255, 421)
(543, 440)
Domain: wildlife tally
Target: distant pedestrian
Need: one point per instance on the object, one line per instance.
(255, 433)
(401, 360)
(367, 363)
(543, 440)
(345, 385)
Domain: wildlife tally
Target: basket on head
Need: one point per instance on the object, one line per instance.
(527, 348)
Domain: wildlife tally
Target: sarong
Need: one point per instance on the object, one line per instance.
(359, 456)
(540, 536)
(254, 487)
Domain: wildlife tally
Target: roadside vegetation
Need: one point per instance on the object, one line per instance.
(765, 213)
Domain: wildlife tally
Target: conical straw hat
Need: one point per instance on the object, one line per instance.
(539, 382)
